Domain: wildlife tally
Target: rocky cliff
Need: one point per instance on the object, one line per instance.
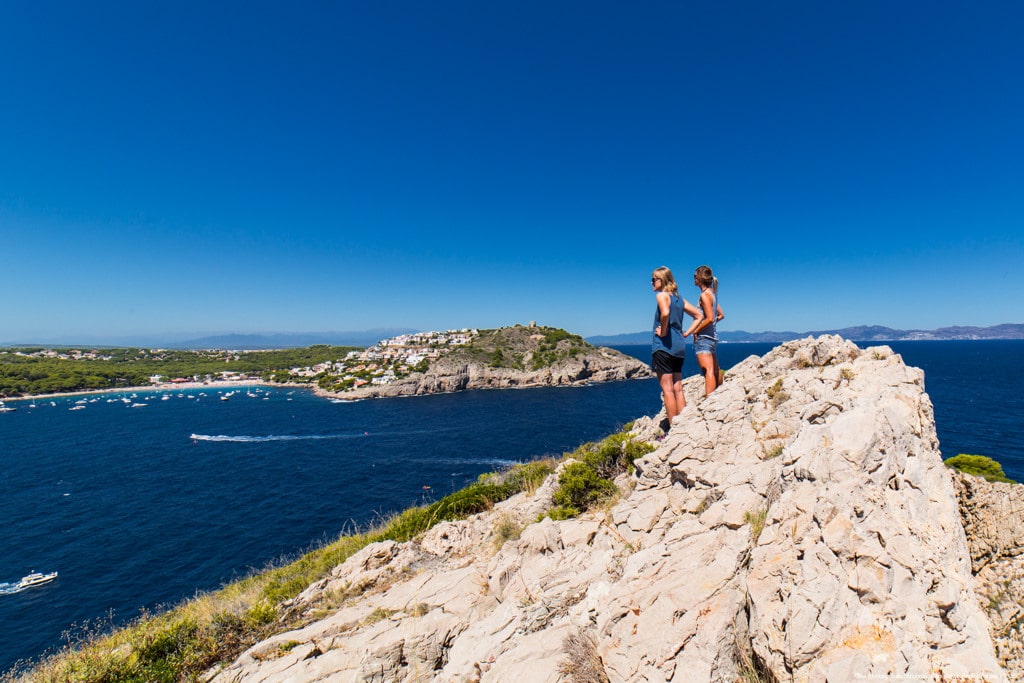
(514, 357)
(796, 525)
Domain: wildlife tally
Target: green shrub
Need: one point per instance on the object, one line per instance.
(979, 465)
(528, 476)
(580, 487)
(613, 455)
(166, 642)
(479, 496)
(559, 513)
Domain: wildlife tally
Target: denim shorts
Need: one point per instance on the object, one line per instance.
(704, 344)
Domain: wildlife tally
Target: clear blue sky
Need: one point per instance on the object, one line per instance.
(180, 167)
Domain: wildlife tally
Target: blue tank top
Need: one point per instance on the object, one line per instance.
(711, 331)
(673, 344)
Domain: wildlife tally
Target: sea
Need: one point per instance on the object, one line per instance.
(142, 500)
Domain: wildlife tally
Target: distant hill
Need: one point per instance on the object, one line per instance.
(249, 342)
(860, 333)
(289, 340)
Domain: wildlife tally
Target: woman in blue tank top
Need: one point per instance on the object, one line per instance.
(668, 348)
(705, 330)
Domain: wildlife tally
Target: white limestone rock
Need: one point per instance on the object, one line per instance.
(799, 521)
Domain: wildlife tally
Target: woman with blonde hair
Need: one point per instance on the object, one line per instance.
(704, 329)
(668, 349)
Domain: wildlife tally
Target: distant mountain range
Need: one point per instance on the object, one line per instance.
(287, 340)
(270, 340)
(861, 333)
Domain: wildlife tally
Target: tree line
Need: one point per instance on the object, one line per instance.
(22, 373)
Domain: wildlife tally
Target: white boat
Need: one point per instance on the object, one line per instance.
(36, 579)
(77, 408)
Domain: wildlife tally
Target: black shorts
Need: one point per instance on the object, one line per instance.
(664, 363)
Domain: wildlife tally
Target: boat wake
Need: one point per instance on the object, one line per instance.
(30, 581)
(498, 463)
(271, 437)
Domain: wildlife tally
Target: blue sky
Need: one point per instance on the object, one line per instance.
(179, 168)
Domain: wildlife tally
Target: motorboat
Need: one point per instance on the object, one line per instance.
(36, 579)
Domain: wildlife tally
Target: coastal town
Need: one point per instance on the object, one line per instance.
(385, 362)
(332, 369)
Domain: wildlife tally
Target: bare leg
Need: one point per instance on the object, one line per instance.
(706, 361)
(672, 394)
(718, 371)
(677, 390)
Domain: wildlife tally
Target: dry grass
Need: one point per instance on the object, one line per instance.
(506, 528)
(776, 394)
(582, 663)
(756, 519)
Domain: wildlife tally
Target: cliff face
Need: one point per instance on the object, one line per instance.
(992, 515)
(796, 525)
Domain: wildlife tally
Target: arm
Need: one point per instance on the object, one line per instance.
(721, 314)
(695, 313)
(664, 308)
(707, 314)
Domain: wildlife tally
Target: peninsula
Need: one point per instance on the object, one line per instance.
(508, 357)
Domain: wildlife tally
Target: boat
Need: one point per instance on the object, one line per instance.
(36, 579)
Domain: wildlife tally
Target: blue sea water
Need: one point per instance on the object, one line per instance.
(141, 507)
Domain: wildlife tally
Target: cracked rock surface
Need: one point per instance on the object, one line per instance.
(798, 524)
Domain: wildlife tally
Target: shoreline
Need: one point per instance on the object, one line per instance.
(312, 388)
(166, 386)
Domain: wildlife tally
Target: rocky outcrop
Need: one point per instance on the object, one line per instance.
(458, 374)
(796, 525)
(992, 516)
